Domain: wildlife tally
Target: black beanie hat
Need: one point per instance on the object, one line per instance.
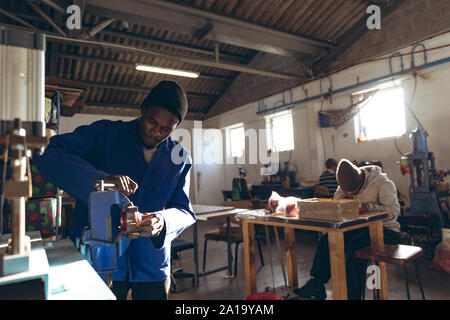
(169, 95)
(349, 176)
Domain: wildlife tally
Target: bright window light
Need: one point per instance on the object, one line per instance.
(235, 140)
(382, 117)
(280, 131)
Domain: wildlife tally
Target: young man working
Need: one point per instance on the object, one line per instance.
(376, 193)
(137, 157)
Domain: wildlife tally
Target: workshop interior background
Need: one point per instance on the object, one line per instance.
(255, 58)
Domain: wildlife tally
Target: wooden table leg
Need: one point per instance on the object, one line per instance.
(337, 265)
(248, 231)
(291, 257)
(377, 240)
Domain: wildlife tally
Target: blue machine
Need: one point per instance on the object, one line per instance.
(101, 243)
(424, 195)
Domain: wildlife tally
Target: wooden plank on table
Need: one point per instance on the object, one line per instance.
(248, 230)
(337, 264)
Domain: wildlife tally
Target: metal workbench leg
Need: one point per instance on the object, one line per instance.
(230, 255)
(195, 235)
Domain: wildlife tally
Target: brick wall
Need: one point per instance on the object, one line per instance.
(412, 21)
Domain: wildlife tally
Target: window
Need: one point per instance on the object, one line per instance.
(383, 116)
(280, 131)
(236, 140)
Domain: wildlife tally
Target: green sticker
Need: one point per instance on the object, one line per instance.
(48, 185)
(43, 211)
(32, 206)
(31, 228)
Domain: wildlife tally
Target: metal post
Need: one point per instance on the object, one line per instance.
(406, 282)
(58, 198)
(230, 256)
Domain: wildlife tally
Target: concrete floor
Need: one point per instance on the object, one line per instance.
(436, 284)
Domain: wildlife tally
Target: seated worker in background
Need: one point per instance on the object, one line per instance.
(376, 193)
(137, 157)
(328, 179)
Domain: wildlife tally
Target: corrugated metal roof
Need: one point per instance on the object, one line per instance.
(113, 80)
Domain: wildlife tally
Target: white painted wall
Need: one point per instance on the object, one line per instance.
(431, 105)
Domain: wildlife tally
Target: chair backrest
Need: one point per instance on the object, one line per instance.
(322, 192)
(178, 245)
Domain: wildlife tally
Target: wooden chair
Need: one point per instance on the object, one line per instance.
(322, 192)
(394, 254)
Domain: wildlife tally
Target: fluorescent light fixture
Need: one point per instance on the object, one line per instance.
(174, 72)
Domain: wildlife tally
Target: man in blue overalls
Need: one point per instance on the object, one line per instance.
(136, 156)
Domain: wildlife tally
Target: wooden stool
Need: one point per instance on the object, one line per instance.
(394, 254)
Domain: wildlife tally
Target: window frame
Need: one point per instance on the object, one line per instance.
(229, 142)
(269, 130)
(383, 88)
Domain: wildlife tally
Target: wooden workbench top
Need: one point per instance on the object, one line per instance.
(261, 215)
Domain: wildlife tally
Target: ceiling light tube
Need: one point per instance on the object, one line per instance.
(174, 72)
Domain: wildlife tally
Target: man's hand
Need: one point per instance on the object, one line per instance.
(151, 226)
(124, 184)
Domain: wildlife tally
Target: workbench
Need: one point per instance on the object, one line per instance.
(71, 277)
(68, 276)
(335, 231)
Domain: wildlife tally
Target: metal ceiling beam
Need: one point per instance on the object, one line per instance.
(16, 18)
(46, 17)
(119, 109)
(187, 20)
(128, 35)
(172, 44)
(128, 64)
(354, 34)
(54, 5)
(196, 61)
(141, 89)
(96, 29)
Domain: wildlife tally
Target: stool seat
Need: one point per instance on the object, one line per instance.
(217, 235)
(394, 254)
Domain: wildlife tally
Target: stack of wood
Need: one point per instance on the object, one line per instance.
(328, 209)
(73, 94)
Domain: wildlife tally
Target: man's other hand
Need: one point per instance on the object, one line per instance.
(124, 184)
(151, 225)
